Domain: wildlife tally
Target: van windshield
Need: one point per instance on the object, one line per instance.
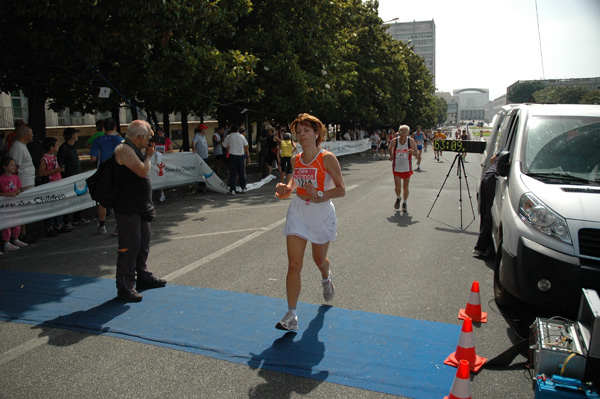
(565, 148)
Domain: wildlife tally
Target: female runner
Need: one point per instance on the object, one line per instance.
(317, 178)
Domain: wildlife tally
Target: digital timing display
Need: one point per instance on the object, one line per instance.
(477, 147)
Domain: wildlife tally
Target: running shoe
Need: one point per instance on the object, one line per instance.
(404, 206)
(101, 229)
(397, 203)
(288, 323)
(418, 167)
(9, 247)
(162, 197)
(328, 289)
(18, 243)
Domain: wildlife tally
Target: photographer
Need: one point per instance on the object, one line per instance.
(134, 211)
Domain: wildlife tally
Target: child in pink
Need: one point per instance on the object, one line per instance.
(50, 169)
(10, 186)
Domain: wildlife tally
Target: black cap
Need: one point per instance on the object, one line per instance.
(69, 132)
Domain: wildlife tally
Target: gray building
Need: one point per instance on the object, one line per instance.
(419, 34)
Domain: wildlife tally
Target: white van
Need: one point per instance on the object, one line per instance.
(546, 210)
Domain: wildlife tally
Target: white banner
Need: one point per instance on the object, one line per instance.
(168, 170)
(340, 148)
(71, 194)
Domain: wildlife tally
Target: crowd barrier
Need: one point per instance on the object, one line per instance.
(168, 170)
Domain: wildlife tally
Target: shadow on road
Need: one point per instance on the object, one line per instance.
(295, 357)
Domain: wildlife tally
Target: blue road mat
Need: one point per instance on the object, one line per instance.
(370, 351)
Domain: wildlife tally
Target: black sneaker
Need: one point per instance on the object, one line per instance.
(129, 296)
(149, 284)
(397, 203)
(404, 206)
(28, 239)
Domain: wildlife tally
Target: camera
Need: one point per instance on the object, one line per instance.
(158, 140)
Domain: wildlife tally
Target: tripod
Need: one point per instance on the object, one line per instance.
(460, 172)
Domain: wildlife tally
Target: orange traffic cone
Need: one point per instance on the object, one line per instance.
(473, 308)
(465, 350)
(461, 387)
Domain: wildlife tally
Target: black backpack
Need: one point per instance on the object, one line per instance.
(103, 185)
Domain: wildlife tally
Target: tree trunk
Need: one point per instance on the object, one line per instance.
(185, 137)
(134, 113)
(166, 124)
(116, 116)
(37, 111)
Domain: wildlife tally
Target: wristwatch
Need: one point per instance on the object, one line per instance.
(320, 194)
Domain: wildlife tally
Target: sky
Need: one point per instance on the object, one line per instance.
(492, 44)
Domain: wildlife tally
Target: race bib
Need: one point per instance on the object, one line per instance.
(305, 175)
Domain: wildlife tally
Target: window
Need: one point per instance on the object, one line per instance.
(19, 106)
(67, 118)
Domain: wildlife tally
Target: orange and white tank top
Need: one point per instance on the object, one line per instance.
(313, 172)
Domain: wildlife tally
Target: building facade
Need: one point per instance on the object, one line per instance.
(420, 35)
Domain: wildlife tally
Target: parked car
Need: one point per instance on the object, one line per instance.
(546, 210)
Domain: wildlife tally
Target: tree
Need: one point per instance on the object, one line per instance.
(522, 92)
(560, 95)
(441, 110)
(591, 97)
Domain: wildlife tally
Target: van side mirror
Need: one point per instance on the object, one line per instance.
(503, 167)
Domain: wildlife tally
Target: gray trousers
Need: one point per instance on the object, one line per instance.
(134, 247)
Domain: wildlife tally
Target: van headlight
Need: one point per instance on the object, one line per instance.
(544, 219)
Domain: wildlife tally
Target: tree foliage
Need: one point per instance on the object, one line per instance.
(565, 95)
(274, 57)
(522, 92)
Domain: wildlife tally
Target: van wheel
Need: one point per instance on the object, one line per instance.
(501, 295)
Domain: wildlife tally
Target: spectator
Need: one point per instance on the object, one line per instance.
(200, 147)
(272, 149)
(69, 158)
(375, 140)
(10, 137)
(50, 170)
(25, 169)
(10, 186)
(99, 132)
(162, 148)
(347, 136)
(102, 149)
(218, 148)
(287, 148)
(383, 145)
(134, 211)
(238, 152)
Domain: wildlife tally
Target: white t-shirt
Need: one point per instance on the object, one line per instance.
(22, 157)
(236, 143)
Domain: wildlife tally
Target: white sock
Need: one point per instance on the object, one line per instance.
(293, 310)
(326, 280)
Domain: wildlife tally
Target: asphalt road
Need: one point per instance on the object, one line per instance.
(406, 265)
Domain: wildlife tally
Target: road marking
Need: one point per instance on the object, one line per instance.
(230, 247)
(30, 345)
(222, 251)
